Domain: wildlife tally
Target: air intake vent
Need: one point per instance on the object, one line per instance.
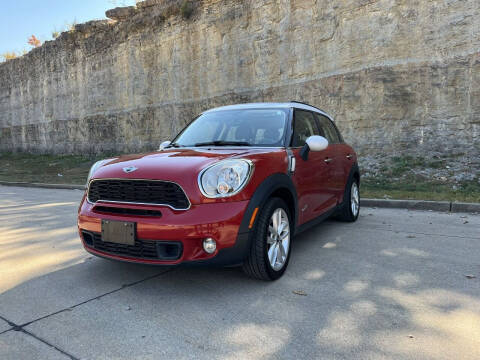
(126, 211)
(143, 249)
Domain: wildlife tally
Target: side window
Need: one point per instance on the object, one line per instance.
(304, 127)
(329, 130)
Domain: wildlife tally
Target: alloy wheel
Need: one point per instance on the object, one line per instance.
(278, 239)
(354, 199)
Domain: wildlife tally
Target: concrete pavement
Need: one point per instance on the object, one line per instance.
(392, 285)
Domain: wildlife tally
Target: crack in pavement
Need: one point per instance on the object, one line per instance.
(21, 328)
(15, 327)
(51, 345)
(98, 297)
(12, 325)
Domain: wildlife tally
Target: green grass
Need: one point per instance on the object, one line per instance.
(74, 170)
(398, 179)
(45, 168)
(400, 165)
(403, 164)
(420, 189)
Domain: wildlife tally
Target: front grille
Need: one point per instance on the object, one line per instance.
(138, 191)
(143, 249)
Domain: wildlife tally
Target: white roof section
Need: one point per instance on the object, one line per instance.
(269, 105)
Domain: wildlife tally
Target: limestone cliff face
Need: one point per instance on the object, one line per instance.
(396, 74)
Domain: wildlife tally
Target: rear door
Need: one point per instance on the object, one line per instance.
(312, 176)
(337, 163)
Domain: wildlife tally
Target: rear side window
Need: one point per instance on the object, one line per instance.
(304, 127)
(329, 130)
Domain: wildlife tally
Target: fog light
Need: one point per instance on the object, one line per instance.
(209, 245)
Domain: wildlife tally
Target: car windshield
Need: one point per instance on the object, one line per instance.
(246, 127)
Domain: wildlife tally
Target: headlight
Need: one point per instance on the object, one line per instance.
(225, 178)
(95, 167)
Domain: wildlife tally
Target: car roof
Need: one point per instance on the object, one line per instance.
(291, 104)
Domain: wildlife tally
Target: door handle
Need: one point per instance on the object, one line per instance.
(349, 156)
(328, 160)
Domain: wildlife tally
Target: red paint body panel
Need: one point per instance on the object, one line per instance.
(217, 218)
(319, 187)
(320, 184)
(218, 221)
(183, 166)
(311, 179)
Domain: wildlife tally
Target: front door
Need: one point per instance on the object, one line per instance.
(312, 177)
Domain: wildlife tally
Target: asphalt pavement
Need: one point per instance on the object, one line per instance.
(396, 284)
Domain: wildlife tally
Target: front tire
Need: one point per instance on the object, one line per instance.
(271, 242)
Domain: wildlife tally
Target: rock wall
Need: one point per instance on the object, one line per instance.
(398, 75)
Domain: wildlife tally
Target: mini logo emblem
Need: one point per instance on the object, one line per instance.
(129, 169)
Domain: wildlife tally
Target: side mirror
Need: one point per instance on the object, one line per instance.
(313, 143)
(163, 145)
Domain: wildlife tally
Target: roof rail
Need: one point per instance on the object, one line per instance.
(304, 103)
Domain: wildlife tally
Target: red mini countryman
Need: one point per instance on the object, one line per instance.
(233, 187)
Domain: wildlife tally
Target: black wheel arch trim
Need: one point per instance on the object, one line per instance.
(263, 193)
(237, 253)
(354, 170)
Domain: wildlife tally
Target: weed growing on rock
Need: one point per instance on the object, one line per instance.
(186, 9)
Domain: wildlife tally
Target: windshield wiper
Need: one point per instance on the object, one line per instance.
(223, 143)
(174, 145)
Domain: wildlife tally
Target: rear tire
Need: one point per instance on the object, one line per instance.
(270, 242)
(351, 202)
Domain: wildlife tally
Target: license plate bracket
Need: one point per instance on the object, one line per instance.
(118, 232)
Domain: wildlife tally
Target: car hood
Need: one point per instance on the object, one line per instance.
(172, 164)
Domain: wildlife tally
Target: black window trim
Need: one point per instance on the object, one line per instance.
(339, 134)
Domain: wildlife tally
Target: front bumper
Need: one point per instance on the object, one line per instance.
(182, 231)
